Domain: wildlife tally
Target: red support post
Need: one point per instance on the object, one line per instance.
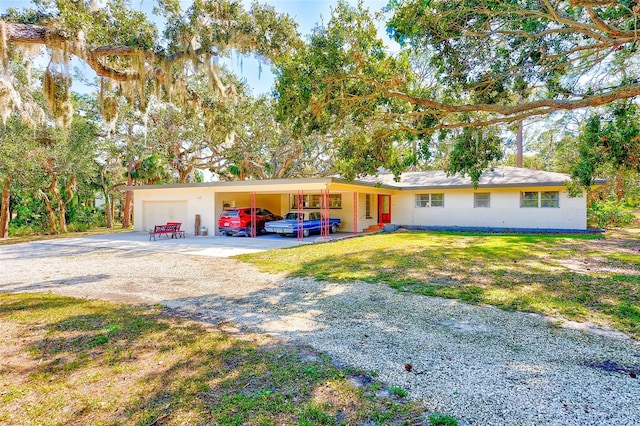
(355, 212)
(253, 231)
(324, 213)
(300, 215)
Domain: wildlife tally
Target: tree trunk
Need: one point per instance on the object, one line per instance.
(51, 214)
(183, 173)
(619, 189)
(51, 210)
(519, 145)
(126, 214)
(4, 208)
(108, 210)
(62, 205)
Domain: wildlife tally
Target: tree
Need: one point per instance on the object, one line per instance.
(264, 148)
(123, 45)
(19, 159)
(19, 152)
(69, 156)
(472, 64)
(610, 142)
(515, 59)
(330, 86)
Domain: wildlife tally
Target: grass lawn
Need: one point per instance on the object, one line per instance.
(72, 234)
(577, 277)
(75, 361)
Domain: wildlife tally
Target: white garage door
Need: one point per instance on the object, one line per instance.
(161, 212)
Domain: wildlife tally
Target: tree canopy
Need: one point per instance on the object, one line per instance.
(514, 59)
(123, 45)
(462, 64)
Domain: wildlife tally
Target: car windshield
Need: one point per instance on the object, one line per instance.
(231, 213)
(292, 216)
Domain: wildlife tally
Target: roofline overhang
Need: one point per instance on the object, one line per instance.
(294, 184)
(486, 186)
(326, 181)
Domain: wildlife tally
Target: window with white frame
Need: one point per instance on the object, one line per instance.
(367, 205)
(430, 200)
(540, 199)
(550, 199)
(481, 199)
(314, 201)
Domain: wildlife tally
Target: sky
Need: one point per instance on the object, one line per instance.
(307, 13)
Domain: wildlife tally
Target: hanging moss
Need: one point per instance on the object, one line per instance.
(56, 87)
(6, 100)
(65, 114)
(3, 45)
(109, 108)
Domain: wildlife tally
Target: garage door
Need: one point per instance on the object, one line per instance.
(160, 212)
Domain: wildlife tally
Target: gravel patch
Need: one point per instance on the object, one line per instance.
(481, 364)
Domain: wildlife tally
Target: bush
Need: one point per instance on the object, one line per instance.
(439, 419)
(22, 230)
(85, 218)
(609, 213)
(398, 391)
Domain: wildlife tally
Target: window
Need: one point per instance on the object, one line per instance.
(481, 199)
(422, 200)
(529, 199)
(367, 206)
(540, 199)
(335, 201)
(437, 200)
(429, 200)
(550, 199)
(314, 201)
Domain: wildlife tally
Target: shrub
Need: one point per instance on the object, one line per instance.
(609, 213)
(23, 230)
(85, 218)
(439, 419)
(397, 390)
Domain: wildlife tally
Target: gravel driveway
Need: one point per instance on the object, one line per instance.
(481, 364)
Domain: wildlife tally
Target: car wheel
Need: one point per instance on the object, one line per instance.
(333, 229)
(247, 230)
(305, 232)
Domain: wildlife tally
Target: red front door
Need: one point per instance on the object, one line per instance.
(384, 208)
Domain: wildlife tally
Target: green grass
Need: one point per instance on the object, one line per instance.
(398, 391)
(16, 239)
(439, 419)
(77, 361)
(571, 276)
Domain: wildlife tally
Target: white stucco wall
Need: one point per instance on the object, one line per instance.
(504, 212)
(198, 201)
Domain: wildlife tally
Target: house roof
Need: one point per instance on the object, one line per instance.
(502, 177)
(499, 177)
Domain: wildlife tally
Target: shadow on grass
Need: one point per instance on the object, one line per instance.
(108, 363)
(52, 284)
(519, 272)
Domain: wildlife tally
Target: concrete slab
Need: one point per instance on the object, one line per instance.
(212, 246)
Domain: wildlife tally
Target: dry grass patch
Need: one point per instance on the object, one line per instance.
(71, 361)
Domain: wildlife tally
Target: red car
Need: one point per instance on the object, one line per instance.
(237, 219)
